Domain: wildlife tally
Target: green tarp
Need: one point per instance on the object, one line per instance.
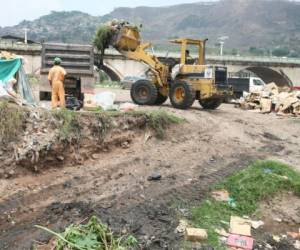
(8, 68)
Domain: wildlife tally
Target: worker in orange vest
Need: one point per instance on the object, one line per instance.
(56, 79)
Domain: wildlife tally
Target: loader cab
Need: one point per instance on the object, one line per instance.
(186, 44)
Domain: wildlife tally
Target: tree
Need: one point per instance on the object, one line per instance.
(102, 41)
(281, 52)
(256, 51)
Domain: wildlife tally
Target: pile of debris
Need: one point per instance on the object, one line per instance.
(272, 99)
(5, 55)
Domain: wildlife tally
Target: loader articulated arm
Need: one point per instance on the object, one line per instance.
(160, 70)
(127, 41)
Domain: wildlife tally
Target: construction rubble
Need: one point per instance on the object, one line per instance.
(272, 99)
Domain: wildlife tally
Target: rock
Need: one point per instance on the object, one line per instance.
(268, 246)
(125, 144)
(95, 156)
(154, 177)
(195, 234)
(60, 158)
(11, 172)
(278, 219)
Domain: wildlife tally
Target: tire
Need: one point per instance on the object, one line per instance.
(144, 92)
(182, 95)
(211, 103)
(160, 99)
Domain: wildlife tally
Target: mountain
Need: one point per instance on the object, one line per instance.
(71, 26)
(247, 23)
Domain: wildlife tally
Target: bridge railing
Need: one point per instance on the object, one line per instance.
(225, 57)
(18, 47)
(10, 46)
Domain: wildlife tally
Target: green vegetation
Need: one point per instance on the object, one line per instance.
(109, 84)
(247, 188)
(102, 40)
(281, 51)
(92, 236)
(70, 128)
(101, 122)
(11, 122)
(159, 120)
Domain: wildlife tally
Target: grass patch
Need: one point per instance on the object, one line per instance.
(156, 120)
(109, 84)
(261, 180)
(92, 236)
(70, 128)
(11, 122)
(159, 120)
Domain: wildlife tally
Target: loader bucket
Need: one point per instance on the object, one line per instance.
(128, 38)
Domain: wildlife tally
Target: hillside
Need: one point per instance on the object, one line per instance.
(255, 23)
(72, 26)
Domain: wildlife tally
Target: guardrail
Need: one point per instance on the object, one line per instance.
(38, 47)
(225, 57)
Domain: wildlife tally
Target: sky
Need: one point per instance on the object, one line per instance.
(19, 10)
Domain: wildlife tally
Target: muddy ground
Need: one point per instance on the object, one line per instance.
(209, 146)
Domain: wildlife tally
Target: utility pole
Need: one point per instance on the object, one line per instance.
(25, 35)
(222, 42)
(221, 47)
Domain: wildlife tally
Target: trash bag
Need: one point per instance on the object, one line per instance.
(105, 100)
(73, 103)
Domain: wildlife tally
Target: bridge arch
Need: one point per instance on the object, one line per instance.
(269, 75)
(111, 72)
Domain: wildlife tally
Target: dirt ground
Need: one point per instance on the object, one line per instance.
(194, 155)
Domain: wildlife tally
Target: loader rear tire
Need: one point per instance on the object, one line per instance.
(182, 95)
(144, 92)
(211, 103)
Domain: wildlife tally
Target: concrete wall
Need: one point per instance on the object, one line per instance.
(125, 68)
(32, 64)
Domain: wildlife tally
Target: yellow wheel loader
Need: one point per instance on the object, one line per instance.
(184, 84)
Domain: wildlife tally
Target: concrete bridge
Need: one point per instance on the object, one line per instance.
(282, 71)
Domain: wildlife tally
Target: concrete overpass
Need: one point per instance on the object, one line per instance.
(283, 71)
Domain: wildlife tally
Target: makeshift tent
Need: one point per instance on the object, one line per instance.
(14, 68)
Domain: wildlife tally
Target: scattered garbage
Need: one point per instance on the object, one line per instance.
(240, 226)
(223, 196)
(297, 244)
(72, 103)
(294, 235)
(14, 85)
(181, 227)
(195, 234)
(222, 232)
(240, 241)
(257, 224)
(231, 202)
(127, 107)
(268, 171)
(105, 100)
(271, 98)
(220, 195)
(154, 177)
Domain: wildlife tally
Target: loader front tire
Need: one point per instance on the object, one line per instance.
(211, 103)
(144, 92)
(182, 95)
